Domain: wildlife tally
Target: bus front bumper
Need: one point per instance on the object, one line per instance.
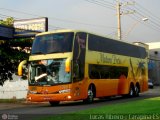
(49, 97)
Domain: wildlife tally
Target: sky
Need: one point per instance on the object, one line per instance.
(98, 16)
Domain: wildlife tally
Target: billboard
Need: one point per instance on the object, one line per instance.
(6, 32)
(30, 27)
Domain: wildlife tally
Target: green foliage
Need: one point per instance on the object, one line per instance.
(21, 42)
(9, 60)
(12, 54)
(10, 57)
(8, 21)
(6, 50)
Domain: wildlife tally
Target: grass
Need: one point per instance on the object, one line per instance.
(148, 108)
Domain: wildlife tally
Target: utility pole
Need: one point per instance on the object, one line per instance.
(119, 19)
(119, 13)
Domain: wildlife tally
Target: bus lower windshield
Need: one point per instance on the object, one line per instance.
(53, 43)
(48, 72)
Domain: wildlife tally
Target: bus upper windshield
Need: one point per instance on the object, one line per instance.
(53, 43)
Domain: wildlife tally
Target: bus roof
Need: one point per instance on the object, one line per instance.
(75, 30)
(71, 30)
(58, 31)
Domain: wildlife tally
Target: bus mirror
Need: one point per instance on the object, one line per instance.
(20, 67)
(68, 65)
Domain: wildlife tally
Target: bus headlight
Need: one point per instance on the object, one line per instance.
(32, 92)
(65, 91)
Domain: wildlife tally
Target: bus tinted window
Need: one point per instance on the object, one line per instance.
(101, 44)
(53, 43)
(106, 71)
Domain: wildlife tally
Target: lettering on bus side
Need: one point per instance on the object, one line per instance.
(112, 60)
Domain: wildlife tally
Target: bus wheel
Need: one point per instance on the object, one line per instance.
(90, 96)
(137, 90)
(54, 103)
(131, 91)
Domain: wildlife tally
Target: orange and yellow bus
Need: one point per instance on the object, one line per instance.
(69, 65)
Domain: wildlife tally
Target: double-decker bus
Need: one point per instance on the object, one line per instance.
(69, 65)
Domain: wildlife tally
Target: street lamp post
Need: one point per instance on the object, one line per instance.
(135, 24)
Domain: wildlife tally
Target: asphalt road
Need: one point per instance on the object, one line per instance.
(25, 109)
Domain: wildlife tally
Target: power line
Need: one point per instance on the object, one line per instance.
(102, 3)
(148, 12)
(3, 16)
(76, 22)
(148, 24)
(145, 12)
(15, 11)
(7, 16)
(57, 19)
(112, 34)
(152, 23)
(50, 26)
(108, 2)
(144, 23)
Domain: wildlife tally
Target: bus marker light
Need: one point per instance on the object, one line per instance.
(69, 97)
(29, 98)
(67, 65)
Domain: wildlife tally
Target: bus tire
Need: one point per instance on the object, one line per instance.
(54, 103)
(137, 90)
(131, 91)
(90, 96)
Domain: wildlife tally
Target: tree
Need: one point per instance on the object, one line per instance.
(9, 56)
(8, 21)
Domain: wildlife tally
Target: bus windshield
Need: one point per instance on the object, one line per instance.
(48, 72)
(53, 43)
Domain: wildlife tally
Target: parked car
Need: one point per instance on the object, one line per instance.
(150, 84)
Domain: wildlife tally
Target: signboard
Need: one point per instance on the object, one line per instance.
(30, 27)
(6, 32)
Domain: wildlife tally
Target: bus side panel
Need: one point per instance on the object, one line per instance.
(140, 70)
(145, 78)
(106, 87)
(145, 84)
(80, 89)
(123, 85)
